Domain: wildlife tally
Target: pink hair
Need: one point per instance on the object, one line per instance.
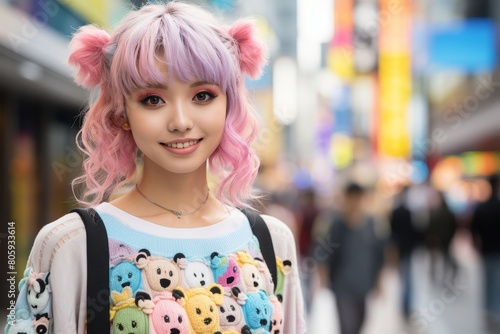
(192, 44)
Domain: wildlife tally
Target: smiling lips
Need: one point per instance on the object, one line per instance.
(181, 147)
(184, 144)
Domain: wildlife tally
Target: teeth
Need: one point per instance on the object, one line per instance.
(182, 145)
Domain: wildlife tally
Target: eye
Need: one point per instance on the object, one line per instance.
(171, 273)
(152, 100)
(134, 324)
(202, 275)
(129, 275)
(211, 309)
(198, 311)
(37, 295)
(222, 310)
(166, 319)
(195, 275)
(158, 271)
(179, 319)
(120, 327)
(119, 278)
(204, 96)
(257, 311)
(232, 308)
(235, 269)
(253, 275)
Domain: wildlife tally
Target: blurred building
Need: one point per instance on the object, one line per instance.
(384, 92)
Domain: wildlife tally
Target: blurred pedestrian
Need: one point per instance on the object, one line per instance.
(404, 237)
(353, 267)
(306, 213)
(486, 231)
(438, 237)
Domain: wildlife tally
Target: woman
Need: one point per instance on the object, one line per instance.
(169, 96)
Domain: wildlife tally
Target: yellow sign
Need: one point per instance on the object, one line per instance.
(394, 79)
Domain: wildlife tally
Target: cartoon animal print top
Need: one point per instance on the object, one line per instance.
(172, 285)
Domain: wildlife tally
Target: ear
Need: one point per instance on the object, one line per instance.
(177, 294)
(141, 295)
(251, 50)
(236, 291)
(141, 258)
(87, 55)
(146, 251)
(179, 256)
(217, 293)
(287, 266)
(40, 287)
(180, 260)
(143, 301)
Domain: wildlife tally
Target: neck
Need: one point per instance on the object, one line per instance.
(180, 192)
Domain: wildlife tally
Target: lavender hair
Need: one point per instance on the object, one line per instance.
(193, 44)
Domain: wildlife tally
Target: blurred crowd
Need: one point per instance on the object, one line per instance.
(347, 240)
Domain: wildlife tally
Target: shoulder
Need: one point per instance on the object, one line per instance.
(59, 235)
(277, 227)
(282, 236)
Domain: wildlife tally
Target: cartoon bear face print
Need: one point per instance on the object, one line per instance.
(230, 312)
(130, 320)
(38, 292)
(252, 277)
(226, 270)
(124, 274)
(258, 311)
(198, 274)
(168, 315)
(160, 274)
(202, 308)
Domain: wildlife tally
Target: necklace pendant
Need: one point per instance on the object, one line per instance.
(178, 213)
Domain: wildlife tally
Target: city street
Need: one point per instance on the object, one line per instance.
(451, 308)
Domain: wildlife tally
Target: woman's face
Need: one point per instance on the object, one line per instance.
(177, 126)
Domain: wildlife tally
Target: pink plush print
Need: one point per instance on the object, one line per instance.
(168, 315)
(226, 270)
(277, 318)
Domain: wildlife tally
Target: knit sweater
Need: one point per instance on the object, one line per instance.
(163, 280)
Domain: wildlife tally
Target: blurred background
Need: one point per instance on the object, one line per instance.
(399, 97)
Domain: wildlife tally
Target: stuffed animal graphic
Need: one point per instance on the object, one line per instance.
(158, 273)
(202, 308)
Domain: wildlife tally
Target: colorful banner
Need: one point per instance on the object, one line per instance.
(394, 78)
(340, 55)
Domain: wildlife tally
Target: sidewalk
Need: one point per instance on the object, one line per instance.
(451, 308)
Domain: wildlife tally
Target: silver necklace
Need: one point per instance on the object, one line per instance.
(177, 213)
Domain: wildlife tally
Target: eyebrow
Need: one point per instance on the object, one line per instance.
(192, 85)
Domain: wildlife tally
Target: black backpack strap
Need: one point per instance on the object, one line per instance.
(97, 272)
(260, 230)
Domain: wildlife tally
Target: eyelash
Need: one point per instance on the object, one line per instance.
(208, 92)
(145, 99)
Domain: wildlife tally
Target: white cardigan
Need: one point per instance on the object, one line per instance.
(60, 247)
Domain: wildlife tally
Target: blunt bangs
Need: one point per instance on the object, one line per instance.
(188, 48)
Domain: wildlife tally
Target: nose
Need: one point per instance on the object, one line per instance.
(179, 119)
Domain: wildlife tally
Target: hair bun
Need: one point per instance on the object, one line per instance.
(252, 55)
(87, 55)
